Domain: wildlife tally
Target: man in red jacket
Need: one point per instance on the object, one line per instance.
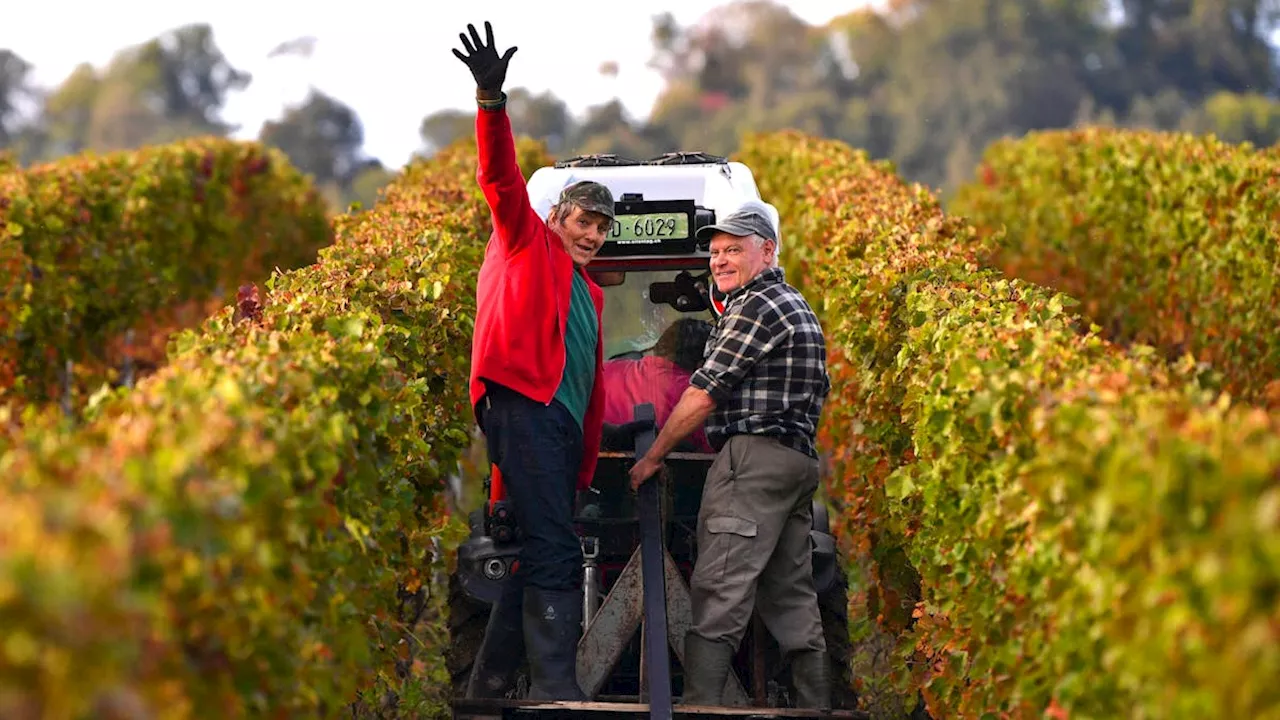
(537, 391)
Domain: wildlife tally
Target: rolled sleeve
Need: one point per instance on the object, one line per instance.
(744, 337)
(705, 381)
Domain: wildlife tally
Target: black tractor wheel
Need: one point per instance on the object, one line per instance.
(467, 620)
(833, 606)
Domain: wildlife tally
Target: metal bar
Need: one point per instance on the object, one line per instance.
(627, 455)
(680, 616)
(658, 668)
(565, 710)
(611, 629)
(644, 665)
(590, 580)
(619, 615)
(757, 660)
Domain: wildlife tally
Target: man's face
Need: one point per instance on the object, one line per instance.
(735, 261)
(583, 233)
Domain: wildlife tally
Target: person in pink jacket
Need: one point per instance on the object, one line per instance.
(660, 378)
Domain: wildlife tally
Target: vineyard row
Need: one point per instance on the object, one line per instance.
(1094, 533)
(93, 247)
(252, 527)
(1165, 238)
(250, 530)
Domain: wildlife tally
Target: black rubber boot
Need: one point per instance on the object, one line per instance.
(706, 670)
(811, 676)
(552, 626)
(493, 673)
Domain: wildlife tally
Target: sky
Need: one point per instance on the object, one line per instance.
(390, 60)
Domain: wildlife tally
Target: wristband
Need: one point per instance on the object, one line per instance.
(489, 102)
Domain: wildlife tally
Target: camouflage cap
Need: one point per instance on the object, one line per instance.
(589, 195)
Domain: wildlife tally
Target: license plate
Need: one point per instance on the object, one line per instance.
(649, 228)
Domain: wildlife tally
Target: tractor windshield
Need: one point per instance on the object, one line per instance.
(633, 321)
(651, 348)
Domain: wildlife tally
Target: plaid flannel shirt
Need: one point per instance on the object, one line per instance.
(766, 366)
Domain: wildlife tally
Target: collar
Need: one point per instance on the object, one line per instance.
(768, 276)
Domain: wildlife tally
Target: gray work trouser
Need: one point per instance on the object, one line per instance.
(753, 545)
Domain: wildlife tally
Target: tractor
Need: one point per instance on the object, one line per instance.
(639, 547)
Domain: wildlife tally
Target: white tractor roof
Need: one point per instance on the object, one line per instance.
(720, 186)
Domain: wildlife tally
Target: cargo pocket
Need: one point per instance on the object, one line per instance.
(728, 557)
(734, 525)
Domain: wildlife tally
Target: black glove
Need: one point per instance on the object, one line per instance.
(489, 70)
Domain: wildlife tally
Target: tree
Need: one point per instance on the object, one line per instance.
(193, 78)
(543, 117)
(748, 65)
(170, 87)
(1197, 46)
(68, 113)
(371, 178)
(753, 48)
(322, 137)
(607, 128)
(1236, 117)
(444, 127)
(962, 73)
(18, 98)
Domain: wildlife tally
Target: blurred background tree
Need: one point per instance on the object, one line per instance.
(925, 83)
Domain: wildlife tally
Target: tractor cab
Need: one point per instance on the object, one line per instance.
(639, 548)
(655, 275)
(651, 262)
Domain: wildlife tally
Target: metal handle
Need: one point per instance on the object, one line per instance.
(657, 666)
(590, 581)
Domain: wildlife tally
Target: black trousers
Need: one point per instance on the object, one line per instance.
(538, 449)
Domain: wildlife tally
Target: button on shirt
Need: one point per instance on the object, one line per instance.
(766, 366)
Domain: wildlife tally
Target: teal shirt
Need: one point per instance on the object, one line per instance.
(581, 335)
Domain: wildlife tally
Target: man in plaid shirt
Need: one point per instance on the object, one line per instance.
(760, 393)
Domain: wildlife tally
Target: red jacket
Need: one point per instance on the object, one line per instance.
(522, 294)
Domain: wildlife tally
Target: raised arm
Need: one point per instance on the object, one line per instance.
(514, 218)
